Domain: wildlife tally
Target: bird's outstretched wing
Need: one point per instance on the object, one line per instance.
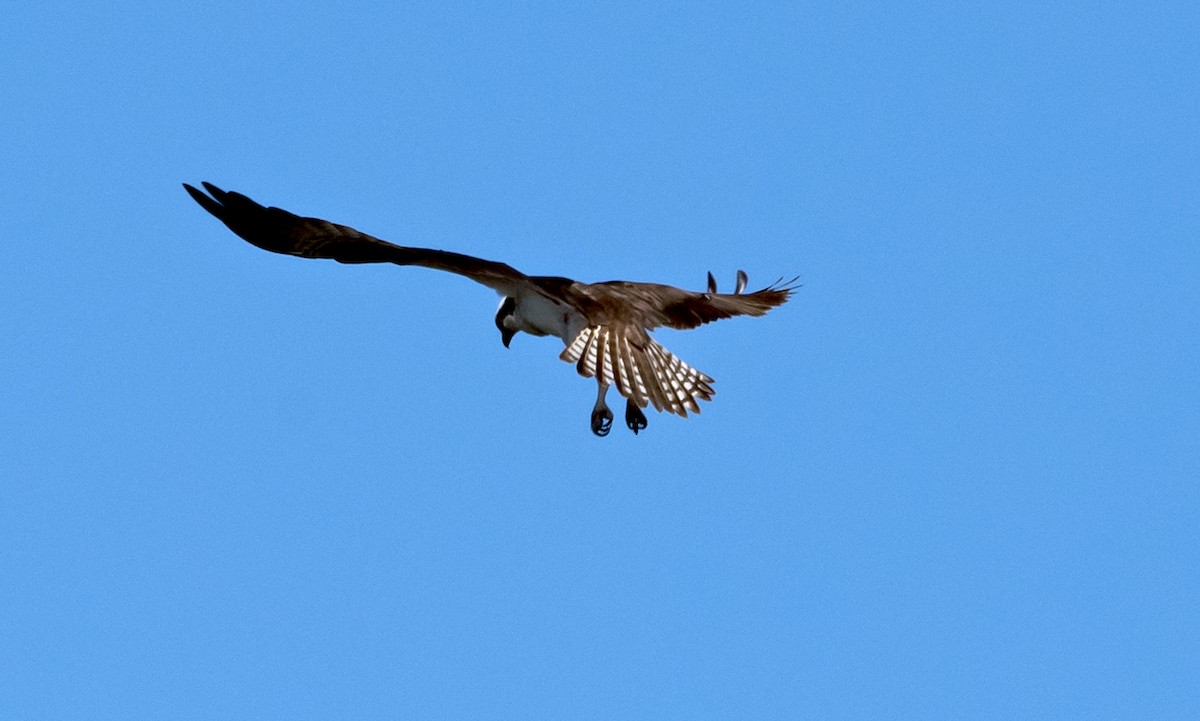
(651, 305)
(279, 231)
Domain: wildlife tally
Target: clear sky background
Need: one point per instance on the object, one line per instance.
(955, 477)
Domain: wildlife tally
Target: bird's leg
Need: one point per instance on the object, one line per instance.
(634, 418)
(602, 417)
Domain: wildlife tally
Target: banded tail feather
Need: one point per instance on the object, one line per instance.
(641, 369)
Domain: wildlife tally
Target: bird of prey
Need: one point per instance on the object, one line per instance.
(604, 326)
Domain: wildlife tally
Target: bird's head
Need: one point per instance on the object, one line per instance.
(504, 318)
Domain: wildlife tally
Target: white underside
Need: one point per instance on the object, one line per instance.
(538, 315)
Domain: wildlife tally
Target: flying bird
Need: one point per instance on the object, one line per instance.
(604, 326)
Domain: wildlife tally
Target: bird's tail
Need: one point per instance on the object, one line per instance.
(641, 369)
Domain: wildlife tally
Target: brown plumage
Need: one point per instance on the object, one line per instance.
(604, 326)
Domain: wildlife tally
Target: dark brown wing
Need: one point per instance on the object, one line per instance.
(279, 231)
(651, 304)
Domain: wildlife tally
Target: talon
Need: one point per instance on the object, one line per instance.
(602, 419)
(634, 418)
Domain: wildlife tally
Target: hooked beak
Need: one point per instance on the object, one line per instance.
(506, 336)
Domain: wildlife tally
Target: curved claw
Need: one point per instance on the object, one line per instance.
(602, 419)
(634, 418)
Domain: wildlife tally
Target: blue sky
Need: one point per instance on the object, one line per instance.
(955, 477)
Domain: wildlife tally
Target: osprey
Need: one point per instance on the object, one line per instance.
(605, 326)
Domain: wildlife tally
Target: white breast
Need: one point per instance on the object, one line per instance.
(538, 315)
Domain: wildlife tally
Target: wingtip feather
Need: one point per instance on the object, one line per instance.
(212, 206)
